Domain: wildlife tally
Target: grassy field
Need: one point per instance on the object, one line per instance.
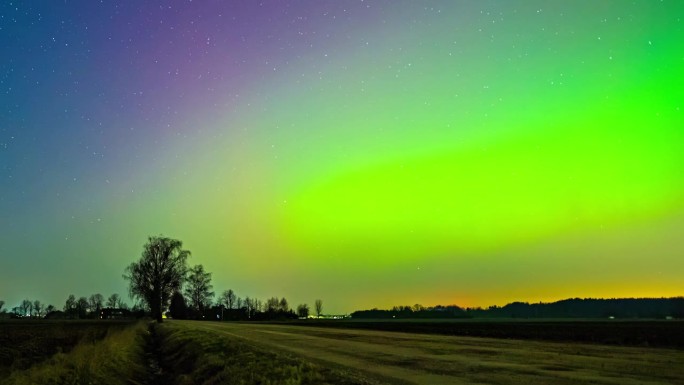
(24, 343)
(405, 358)
(74, 352)
(147, 353)
(193, 352)
(652, 333)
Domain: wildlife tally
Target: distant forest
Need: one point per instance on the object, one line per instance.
(231, 307)
(663, 308)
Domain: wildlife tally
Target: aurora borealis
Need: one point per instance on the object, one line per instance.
(369, 153)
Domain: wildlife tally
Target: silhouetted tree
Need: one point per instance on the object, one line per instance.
(238, 303)
(37, 308)
(82, 307)
(140, 307)
(178, 308)
(283, 306)
(272, 305)
(198, 288)
(258, 305)
(228, 298)
(249, 307)
(49, 309)
(95, 303)
(113, 301)
(26, 308)
(319, 307)
(2, 303)
(159, 272)
(70, 306)
(303, 310)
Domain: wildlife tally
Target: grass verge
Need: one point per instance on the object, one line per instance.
(24, 343)
(192, 356)
(119, 358)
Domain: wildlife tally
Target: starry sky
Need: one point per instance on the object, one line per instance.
(368, 153)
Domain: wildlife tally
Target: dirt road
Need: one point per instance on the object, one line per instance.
(402, 358)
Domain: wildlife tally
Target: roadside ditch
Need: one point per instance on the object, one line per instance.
(153, 360)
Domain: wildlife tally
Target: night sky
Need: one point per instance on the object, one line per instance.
(368, 153)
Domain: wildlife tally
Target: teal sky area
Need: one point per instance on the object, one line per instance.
(368, 153)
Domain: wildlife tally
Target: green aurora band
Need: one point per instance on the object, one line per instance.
(443, 154)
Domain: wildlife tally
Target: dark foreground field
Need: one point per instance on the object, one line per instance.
(407, 358)
(192, 352)
(653, 333)
(26, 342)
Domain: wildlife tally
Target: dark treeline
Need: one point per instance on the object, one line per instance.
(415, 311)
(590, 308)
(92, 307)
(232, 308)
(568, 308)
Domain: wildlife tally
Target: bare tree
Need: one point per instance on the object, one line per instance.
(319, 308)
(249, 306)
(26, 308)
(283, 306)
(198, 288)
(258, 305)
(49, 309)
(159, 272)
(82, 307)
(70, 306)
(272, 304)
(113, 301)
(303, 310)
(95, 303)
(37, 308)
(228, 298)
